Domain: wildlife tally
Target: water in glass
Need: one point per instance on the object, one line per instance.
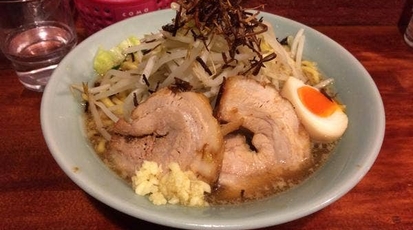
(35, 50)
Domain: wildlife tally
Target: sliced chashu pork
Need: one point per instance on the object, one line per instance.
(169, 127)
(271, 141)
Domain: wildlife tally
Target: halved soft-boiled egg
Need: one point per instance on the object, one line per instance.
(323, 118)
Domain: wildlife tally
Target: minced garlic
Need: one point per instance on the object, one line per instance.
(173, 187)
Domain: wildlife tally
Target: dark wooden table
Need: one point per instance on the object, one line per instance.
(36, 194)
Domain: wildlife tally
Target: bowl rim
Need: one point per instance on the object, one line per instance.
(265, 220)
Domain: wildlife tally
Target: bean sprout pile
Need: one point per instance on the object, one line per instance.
(206, 42)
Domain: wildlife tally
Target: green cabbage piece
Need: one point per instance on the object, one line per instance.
(107, 59)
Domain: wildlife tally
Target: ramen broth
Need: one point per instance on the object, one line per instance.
(320, 153)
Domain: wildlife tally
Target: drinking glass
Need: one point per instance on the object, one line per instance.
(35, 35)
(408, 34)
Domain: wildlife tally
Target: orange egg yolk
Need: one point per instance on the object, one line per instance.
(316, 102)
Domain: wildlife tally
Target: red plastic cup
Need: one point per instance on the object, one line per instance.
(98, 14)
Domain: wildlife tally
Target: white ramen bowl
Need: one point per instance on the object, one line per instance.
(62, 125)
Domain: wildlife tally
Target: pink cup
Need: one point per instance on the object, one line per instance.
(98, 14)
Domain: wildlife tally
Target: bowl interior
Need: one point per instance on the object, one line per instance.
(62, 124)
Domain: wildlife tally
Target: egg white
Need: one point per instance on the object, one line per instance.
(320, 129)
